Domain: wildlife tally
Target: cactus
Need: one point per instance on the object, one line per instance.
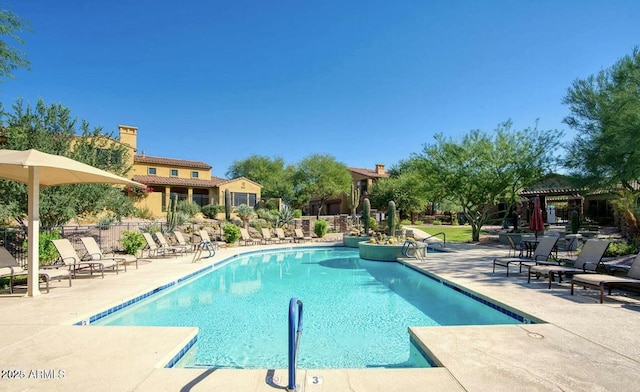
(366, 208)
(391, 218)
(575, 222)
(353, 200)
(227, 205)
(172, 218)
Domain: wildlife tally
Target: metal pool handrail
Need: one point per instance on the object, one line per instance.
(416, 254)
(444, 238)
(295, 309)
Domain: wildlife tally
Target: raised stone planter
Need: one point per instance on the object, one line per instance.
(380, 252)
(352, 241)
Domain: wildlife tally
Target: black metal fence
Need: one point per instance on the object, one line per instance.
(108, 237)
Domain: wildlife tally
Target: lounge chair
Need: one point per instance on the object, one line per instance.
(589, 259)
(9, 268)
(246, 237)
(299, 236)
(70, 258)
(204, 236)
(281, 236)
(167, 247)
(152, 248)
(95, 253)
(541, 255)
(600, 281)
(266, 237)
(182, 242)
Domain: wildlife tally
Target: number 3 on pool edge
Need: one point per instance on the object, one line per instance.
(314, 380)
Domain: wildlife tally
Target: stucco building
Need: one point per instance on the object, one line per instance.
(186, 179)
(362, 179)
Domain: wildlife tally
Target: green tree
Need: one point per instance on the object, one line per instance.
(52, 129)
(272, 173)
(11, 58)
(605, 111)
(406, 189)
(484, 169)
(322, 177)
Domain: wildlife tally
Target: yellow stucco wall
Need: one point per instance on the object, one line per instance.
(240, 185)
(142, 169)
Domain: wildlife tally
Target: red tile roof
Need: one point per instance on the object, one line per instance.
(176, 181)
(368, 172)
(171, 162)
(193, 182)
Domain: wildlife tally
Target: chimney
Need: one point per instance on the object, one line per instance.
(379, 168)
(129, 136)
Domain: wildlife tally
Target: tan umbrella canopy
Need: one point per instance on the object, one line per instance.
(38, 169)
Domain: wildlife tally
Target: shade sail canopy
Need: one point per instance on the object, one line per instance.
(54, 169)
(38, 169)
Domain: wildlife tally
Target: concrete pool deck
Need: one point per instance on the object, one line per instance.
(583, 346)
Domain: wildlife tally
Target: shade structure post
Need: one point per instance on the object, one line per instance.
(33, 232)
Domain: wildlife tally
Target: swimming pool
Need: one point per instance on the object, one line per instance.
(356, 312)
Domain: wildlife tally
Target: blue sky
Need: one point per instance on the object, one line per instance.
(365, 81)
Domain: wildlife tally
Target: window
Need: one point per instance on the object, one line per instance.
(174, 172)
(151, 171)
(194, 174)
(243, 198)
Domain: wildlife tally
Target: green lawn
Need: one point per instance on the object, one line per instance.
(453, 233)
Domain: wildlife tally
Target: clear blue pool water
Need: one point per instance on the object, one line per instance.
(356, 312)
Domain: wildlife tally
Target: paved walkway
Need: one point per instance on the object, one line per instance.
(583, 346)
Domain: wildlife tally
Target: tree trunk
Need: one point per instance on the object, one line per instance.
(475, 233)
(320, 209)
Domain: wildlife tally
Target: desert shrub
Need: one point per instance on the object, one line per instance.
(267, 215)
(182, 218)
(48, 252)
(144, 213)
(107, 220)
(297, 214)
(271, 204)
(320, 228)
(187, 207)
(245, 213)
(231, 233)
(285, 216)
(132, 241)
(152, 228)
(616, 249)
(259, 224)
(212, 210)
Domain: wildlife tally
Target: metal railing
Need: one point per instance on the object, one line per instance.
(444, 239)
(107, 236)
(295, 331)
